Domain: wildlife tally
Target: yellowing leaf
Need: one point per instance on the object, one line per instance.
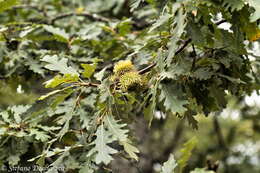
(130, 149)
(57, 80)
(89, 69)
(6, 4)
(255, 36)
(201, 170)
(79, 10)
(186, 152)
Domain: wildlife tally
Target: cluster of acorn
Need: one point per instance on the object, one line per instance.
(126, 77)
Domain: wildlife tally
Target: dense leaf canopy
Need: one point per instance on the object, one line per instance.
(80, 80)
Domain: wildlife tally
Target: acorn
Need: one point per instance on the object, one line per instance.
(130, 80)
(126, 78)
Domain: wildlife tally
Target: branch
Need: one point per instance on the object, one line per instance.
(252, 70)
(146, 69)
(194, 58)
(174, 142)
(220, 22)
(179, 130)
(93, 17)
(185, 44)
(219, 134)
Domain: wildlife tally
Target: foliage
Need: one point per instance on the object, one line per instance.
(169, 166)
(106, 64)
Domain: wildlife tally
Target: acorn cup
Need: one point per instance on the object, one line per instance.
(126, 78)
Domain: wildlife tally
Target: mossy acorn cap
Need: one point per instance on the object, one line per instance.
(123, 66)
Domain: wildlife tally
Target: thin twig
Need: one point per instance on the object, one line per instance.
(183, 46)
(251, 68)
(220, 22)
(146, 69)
(194, 58)
(86, 84)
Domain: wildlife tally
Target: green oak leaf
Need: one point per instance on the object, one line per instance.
(162, 20)
(234, 4)
(203, 74)
(172, 102)
(180, 23)
(18, 111)
(13, 159)
(256, 15)
(60, 65)
(121, 135)
(39, 135)
(116, 129)
(135, 4)
(59, 34)
(169, 165)
(102, 152)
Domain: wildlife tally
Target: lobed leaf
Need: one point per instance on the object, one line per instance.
(169, 165)
(60, 65)
(89, 69)
(101, 151)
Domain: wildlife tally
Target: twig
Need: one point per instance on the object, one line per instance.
(183, 46)
(194, 58)
(87, 84)
(146, 69)
(220, 22)
(93, 17)
(252, 70)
